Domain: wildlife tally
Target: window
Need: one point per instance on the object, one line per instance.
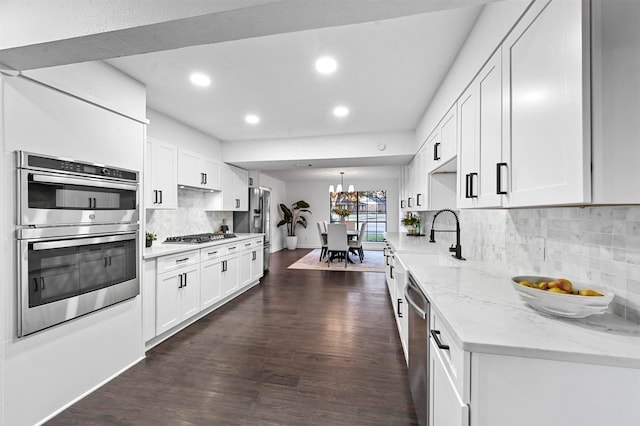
(362, 206)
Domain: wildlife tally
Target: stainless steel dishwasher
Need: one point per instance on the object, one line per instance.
(418, 349)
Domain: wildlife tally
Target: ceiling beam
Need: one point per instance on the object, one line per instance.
(253, 19)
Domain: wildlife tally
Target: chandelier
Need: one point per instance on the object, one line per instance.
(340, 186)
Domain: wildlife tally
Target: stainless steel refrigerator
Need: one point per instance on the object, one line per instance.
(256, 219)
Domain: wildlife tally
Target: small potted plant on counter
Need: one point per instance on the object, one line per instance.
(412, 223)
(149, 239)
(292, 217)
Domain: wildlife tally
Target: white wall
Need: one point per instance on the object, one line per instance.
(61, 364)
(321, 147)
(316, 193)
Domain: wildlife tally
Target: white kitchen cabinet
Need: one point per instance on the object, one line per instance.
(149, 300)
(480, 138)
(230, 274)
(211, 275)
(401, 307)
(443, 141)
(257, 261)
(177, 289)
(244, 268)
(446, 404)
(160, 175)
(197, 171)
(546, 122)
(235, 190)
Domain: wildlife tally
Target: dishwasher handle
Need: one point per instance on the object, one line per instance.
(412, 289)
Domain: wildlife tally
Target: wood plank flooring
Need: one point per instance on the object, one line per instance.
(302, 348)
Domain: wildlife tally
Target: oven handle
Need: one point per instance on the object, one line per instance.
(82, 182)
(45, 245)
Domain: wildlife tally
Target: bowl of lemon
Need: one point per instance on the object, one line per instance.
(559, 296)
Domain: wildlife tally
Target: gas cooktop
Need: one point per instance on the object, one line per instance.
(198, 238)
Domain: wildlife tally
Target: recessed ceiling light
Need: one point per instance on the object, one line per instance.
(341, 111)
(252, 119)
(326, 65)
(200, 79)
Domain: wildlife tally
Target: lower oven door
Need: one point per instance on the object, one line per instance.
(67, 277)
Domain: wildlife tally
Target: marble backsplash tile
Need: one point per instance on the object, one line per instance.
(189, 218)
(592, 245)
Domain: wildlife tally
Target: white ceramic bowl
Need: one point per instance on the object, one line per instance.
(564, 305)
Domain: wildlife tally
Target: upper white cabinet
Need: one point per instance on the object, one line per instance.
(443, 143)
(546, 122)
(196, 171)
(235, 189)
(480, 139)
(160, 175)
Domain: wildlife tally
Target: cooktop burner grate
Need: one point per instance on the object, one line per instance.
(198, 238)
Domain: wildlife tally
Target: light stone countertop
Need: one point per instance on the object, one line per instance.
(479, 305)
(159, 249)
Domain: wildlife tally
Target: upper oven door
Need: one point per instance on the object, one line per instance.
(49, 199)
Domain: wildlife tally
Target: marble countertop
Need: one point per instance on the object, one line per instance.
(160, 249)
(477, 302)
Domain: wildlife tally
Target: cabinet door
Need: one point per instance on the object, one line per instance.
(257, 263)
(448, 136)
(547, 113)
(229, 275)
(211, 170)
(468, 153)
(210, 283)
(227, 183)
(190, 169)
(149, 300)
(241, 201)
(244, 268)
(446, 405)
(161, 170)
(167, 301)
(190, 292)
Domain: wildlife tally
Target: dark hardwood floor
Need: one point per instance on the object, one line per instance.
(302, 348)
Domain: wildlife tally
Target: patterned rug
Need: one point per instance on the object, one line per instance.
(373, 262)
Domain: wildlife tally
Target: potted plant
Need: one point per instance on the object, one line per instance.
(149, 238)
(412, 223)
(292, 217)
(342, 212)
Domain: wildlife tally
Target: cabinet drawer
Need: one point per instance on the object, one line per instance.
(456, 361)
(213, 252)
(169, 263)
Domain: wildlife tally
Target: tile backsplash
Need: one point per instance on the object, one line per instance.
(189, 218)
(592, 245)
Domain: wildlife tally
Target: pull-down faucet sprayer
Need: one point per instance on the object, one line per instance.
(457, 249)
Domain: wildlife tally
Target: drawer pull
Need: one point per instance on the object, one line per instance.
(247, 245)
(436, 336)
(182, 260)
(211, 253)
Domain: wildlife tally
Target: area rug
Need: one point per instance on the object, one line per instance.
(373, 262)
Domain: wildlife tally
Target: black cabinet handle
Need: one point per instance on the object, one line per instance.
(402, 204)
(409, 202)
(418, 200)
(179, 280)
(466, 186)
(436, 154)
(254, 256)
(436, 336)
(237, 203)
(224, 266)
(155, 196)
(399, 308)
(185, 279)
(182, 260)
(391, 272)
(499, 167)
(205, 178)
(105, 262)
(471, 179)
(90, 202)
(160, 197)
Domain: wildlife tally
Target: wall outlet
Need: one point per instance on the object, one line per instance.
(537, 245)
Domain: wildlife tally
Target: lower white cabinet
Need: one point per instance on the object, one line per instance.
(178, 287)
(447, 406)
(177, 295)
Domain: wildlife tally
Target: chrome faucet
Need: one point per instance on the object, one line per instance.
(457, 249)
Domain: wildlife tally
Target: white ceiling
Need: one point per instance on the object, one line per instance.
(388, 72)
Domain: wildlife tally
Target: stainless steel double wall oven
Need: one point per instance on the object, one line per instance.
(77, 239)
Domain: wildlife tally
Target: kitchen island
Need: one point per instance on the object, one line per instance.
(185, 282)
(509, 364)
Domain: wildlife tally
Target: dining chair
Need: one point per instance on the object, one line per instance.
(337, 243)
(357, 243)
(323, 240)
(324, 226)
